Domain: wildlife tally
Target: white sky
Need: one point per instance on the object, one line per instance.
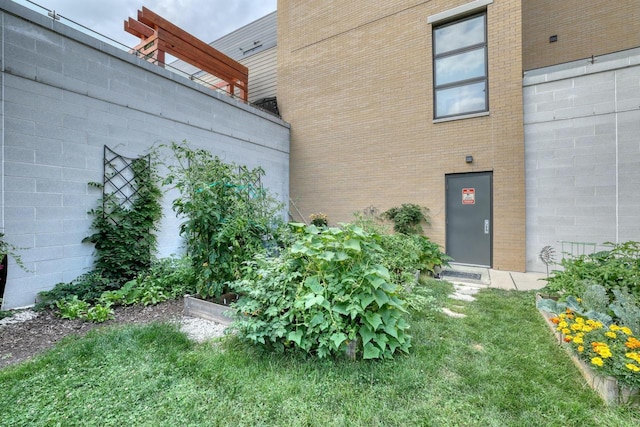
(208, 20)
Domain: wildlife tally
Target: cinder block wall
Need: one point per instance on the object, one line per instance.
(582, 132)
(583, 28)
(355, 82)
(64, 96)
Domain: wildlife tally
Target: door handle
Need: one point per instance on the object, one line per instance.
(486, 226)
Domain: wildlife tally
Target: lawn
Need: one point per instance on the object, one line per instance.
(499, 366)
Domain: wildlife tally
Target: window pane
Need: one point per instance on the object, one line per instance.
(461, 99)
(459, 67)
(459, 35)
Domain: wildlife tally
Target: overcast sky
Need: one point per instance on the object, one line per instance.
(208, 20)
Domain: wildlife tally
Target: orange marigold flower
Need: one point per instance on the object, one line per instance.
(632, 343)
(555, 320)
(567, 339)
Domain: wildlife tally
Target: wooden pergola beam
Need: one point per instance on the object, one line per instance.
(157, 36)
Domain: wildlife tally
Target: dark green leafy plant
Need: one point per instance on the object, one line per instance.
(99, 313)
(87, 287)
(72, 308)
(167, 278)
(124, 237)
(408, 218)
(618, 268)
(325, 294)
(228, 216)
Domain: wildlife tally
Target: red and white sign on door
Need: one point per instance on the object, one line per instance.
(468, 196)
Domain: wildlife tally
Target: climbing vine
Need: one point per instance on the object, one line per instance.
(124, 237)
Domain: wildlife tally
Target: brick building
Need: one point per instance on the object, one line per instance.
(413, 101)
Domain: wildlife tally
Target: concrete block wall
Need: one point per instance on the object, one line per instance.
(64, 96)
(582, 153)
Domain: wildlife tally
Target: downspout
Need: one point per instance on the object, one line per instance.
(615, 115)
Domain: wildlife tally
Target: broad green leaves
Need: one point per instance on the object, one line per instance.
(324, 292)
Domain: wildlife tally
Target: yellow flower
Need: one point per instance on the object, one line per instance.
(578, 340)
(611, 335)
(597, 361)
(576, 327)
(562, 325)
(566, 331)
(601, 349)
(632, 367)
(614, 328)
(633, 356)
(626, 330)
(580, 348)
(579, 320)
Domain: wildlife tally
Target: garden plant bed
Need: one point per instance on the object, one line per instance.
(607, 387)
(208, 310)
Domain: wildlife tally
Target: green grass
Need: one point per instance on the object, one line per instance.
(499, 366)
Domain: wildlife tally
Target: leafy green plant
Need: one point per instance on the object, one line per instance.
(228, 216)
(124, 236)
(613, 269)
(72, 308)
(408, 218)
(626, 308)
(86, 287)
(403, 254)
(99, 313)
(323, 295)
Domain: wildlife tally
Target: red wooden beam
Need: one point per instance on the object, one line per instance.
(179, 43)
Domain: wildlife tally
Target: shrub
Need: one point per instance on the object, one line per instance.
(407, 218)
(616, 268)
(228, 216)
(322, 295)
(404, 254)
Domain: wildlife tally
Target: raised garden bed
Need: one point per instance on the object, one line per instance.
(607, 387)
(209, 310)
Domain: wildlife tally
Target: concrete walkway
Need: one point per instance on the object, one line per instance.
(468, 281)
(489, 278)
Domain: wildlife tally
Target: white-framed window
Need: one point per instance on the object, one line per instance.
(460, 71)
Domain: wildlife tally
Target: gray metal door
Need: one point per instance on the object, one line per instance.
(469, 224)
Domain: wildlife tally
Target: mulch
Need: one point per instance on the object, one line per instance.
(21, 341)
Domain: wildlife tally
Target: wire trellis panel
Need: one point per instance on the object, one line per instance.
(119, 180)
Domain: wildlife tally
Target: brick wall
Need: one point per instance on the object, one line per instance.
(583, 27)
(355, 82)
(64, 96)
